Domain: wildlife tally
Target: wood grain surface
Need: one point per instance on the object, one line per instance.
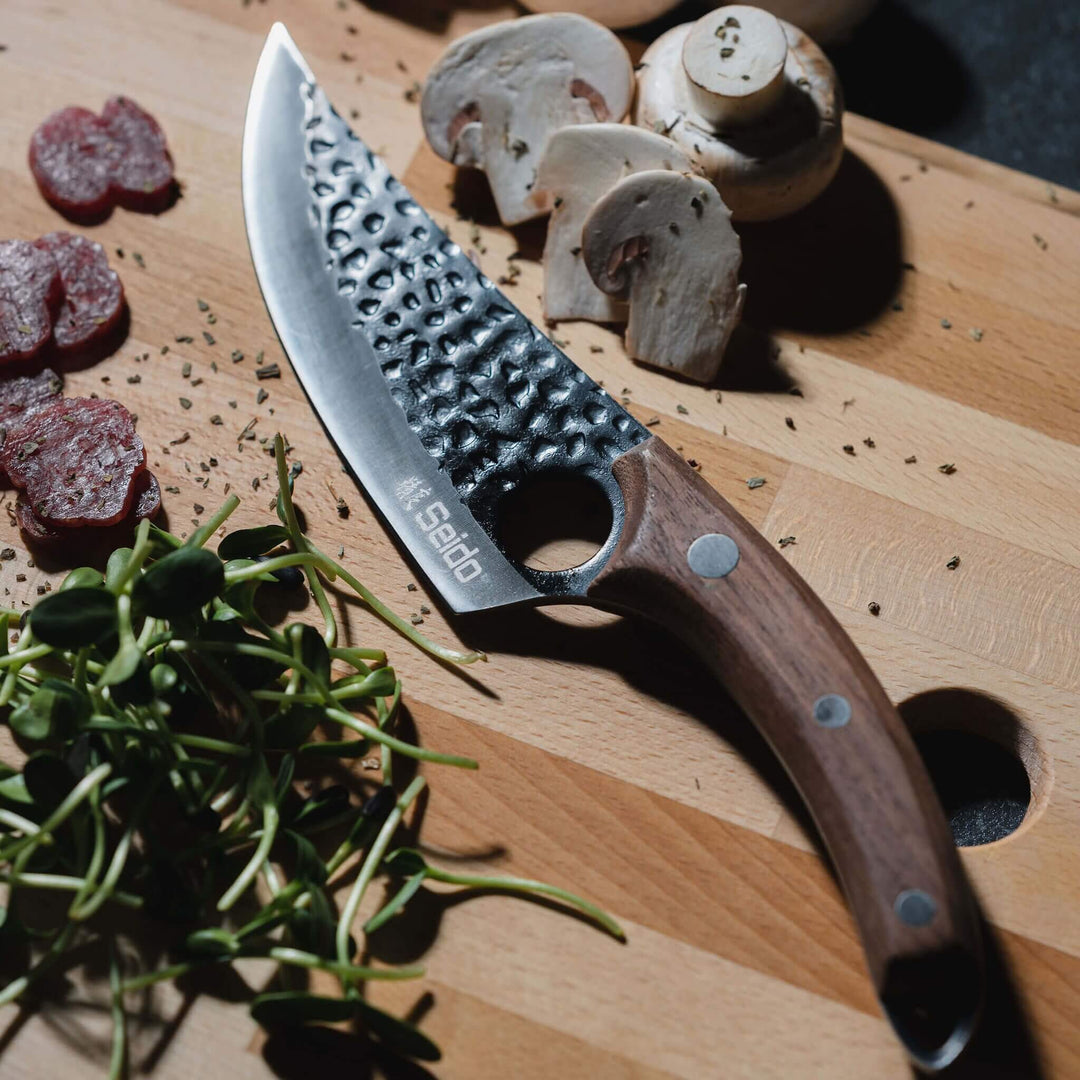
(610, 761)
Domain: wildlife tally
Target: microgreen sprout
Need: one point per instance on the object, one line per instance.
(166, 725)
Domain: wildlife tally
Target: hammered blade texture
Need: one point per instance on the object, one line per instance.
(488, 395)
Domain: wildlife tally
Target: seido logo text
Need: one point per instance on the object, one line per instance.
(434, 522)
(449, 543)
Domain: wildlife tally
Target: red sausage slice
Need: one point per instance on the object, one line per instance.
(84, 164)
(76, 460)
(30, 293)
(93, 295)
(146, 502)
(19, 393)
(143, 176)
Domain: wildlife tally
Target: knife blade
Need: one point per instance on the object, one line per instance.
(443, 398)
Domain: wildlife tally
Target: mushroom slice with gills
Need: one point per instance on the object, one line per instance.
(493, 98)
(582, 163)
(754, 102)
(664, 241)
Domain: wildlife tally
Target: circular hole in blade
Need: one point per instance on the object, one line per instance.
(984, 762)
(555, 521)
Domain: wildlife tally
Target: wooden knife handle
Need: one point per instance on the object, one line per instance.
(794, 671)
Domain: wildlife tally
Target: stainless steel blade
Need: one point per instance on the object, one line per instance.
(440, 395)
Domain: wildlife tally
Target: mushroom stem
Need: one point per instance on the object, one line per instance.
(734, 63)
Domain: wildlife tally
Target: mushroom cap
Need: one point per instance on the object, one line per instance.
(617, 14)
(766, 169)
(581, 163)
(495, 95)
(664, 240)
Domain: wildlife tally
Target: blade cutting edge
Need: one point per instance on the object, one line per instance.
(336, 365)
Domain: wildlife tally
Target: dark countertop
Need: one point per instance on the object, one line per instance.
(997, 78)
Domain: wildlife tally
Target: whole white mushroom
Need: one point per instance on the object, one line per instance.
(753, 101)
(496, 94)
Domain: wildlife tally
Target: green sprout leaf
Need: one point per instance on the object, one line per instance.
(54, 710)
(212, 941)
(405, 862)
(116, 567)
(13, 789)
(48, 779)
(75, 617)
(287, 729)
(163, 678)
(180, 583)
(82, 577)
(310, 649)
(123, 666)
(246, 543)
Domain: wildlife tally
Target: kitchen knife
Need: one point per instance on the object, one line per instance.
(443, 398)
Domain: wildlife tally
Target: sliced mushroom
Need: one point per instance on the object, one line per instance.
(581, 163)
(755, 103)
(664, 241)
(493, 98)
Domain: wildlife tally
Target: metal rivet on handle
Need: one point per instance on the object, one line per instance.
(713, 555)
(832, 710)
(915, 907)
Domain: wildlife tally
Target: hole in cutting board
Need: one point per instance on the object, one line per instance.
(554, 522)
(985, 764)
(984, 788)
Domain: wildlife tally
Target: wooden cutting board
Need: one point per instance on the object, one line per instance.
(609, 763)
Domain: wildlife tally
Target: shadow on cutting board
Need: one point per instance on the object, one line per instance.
(1003, 1047)
(650, 660)
(832, 266)
(299, 1054)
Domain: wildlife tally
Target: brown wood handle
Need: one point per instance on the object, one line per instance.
(794, 671)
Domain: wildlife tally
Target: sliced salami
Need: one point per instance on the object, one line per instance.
(146, 502)
(21, 395)
(21, 392)
(84, 163)
(76, 459)
(30, 293)
(93, 297)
